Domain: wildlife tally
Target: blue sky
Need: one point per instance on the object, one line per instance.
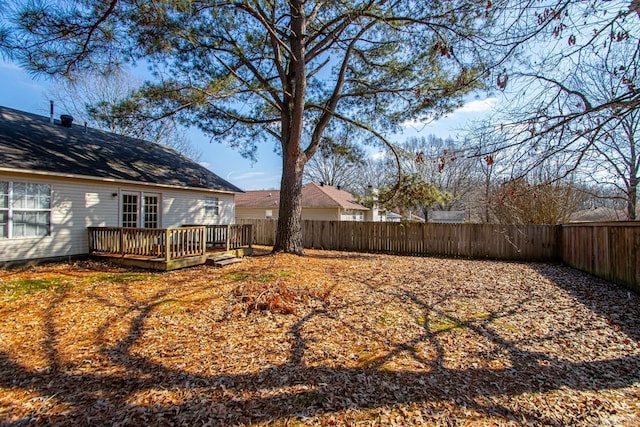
(20, 91)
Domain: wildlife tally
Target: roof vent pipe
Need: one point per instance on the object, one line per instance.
(66, 120)
(321, 184)
(51, 112)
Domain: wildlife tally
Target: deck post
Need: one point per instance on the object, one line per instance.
(167, 244)
(228, 239)
(91, 241)
(121, 233)
(203, 239)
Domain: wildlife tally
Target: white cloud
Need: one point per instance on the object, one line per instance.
(245, 176)
(416, 123)
(9, 66)
(478, 106)
(378, 155)
(254, 180)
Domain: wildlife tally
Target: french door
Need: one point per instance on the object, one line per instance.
(140, 210)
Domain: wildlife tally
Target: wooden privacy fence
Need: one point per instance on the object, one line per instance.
(607, 250)
(510, 242)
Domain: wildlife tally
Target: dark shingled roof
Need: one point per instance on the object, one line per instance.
(28, 142)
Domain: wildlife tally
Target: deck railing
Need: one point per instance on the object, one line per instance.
(165, 243)
(230, 237)
(168, 243)
(185, 242)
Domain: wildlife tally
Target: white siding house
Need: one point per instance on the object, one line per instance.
(56, 181)
(319, 203)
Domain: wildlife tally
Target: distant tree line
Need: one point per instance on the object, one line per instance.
(450, 175)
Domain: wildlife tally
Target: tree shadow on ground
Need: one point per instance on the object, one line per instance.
(619, 305)
(142, 391)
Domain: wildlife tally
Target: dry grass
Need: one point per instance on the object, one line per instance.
(329, 339)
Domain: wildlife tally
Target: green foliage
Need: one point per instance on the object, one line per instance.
(439, 324)
(19, 287)
(30, 286)
(119, 277)
(413, 192)
(445, 164)
(388, 318)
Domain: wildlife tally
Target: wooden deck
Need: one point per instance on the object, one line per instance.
(170, 248)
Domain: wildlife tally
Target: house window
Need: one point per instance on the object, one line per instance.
(140, 210)
(352, 215)
(25, 209)
(268, 214)
(211, 206)
(130, 210)
(151, 211)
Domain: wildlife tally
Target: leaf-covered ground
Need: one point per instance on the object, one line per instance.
(329, 339)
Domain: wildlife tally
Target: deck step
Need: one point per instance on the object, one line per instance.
(228, 261)
(221, 257)
(222, 260)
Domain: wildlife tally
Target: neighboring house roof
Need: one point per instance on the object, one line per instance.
(393, 215)
(313, 196)
(598, 214)
(447, 217)
(268, 199)
(415, 218)
(28, 142)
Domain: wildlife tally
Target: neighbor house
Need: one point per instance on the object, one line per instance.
(319, 202)
(393, 217)
(58, 179)
(447, 217)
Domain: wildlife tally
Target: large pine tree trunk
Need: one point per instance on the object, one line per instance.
(289, 233)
